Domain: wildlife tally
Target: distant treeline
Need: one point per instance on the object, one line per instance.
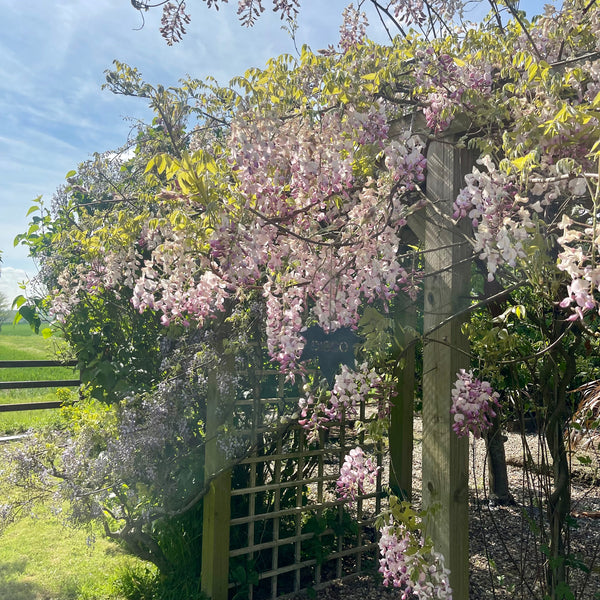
(8, 316)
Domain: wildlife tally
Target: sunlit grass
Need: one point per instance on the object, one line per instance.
(41, 559)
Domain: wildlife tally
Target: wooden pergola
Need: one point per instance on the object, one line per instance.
(446, 256)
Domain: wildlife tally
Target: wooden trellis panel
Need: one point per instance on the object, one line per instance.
(289, 532)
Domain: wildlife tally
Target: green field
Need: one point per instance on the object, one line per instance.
(19, 342)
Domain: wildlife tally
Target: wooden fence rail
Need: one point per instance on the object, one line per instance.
(46, 383)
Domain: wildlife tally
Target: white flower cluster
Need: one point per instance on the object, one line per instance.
(580, 264)
(349, 389)
(498, 214)
(409, 564)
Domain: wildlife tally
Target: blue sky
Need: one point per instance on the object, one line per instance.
(54, 114)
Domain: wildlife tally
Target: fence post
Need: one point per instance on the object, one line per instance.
(402, 411)
(447, 286)
(217, 505)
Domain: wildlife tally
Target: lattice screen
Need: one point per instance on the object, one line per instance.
(289, 532)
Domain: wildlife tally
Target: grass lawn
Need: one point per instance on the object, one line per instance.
(41, 559)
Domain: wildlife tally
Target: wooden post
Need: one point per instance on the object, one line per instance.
(447, 286)
(402, 411)
(216, 509)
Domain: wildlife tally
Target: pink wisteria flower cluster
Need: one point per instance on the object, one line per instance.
(419, 11)
(298, 175)
(297, 217)
(578, 261)
(353, 30)
(317, 410)
(449, 86)
(357, 473)
(473, 404)
(410, 565)
(500, 216)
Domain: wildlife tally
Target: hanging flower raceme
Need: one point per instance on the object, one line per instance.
(411, 565)
(500, 217)
(353, 30)
(349, 389)
(473, 404)
(356, 472)
(578, 261)
(449, 84)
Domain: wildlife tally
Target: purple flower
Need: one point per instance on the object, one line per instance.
(473, 404)
(356, 472)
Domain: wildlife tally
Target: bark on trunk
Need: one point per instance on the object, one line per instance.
(499, 493)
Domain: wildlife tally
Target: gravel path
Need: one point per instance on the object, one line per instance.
(503, 556)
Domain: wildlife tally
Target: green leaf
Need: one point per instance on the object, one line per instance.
(30, 314)
(18, 302)
(564, 166)
(520, 311)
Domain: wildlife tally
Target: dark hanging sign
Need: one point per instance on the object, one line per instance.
(330, 349)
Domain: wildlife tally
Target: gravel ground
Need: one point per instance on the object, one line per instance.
(503, 556)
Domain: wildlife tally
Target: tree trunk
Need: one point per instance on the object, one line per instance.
(559, 501)
(559, 506)
(499, 492)
(554, 390)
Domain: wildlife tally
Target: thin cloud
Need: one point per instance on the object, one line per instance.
(10, 282)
